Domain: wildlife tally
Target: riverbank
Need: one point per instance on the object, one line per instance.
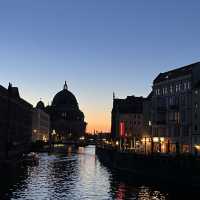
(183, 170)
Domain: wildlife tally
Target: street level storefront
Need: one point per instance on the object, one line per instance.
(145, 143)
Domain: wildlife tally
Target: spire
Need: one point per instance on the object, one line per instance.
(65, 86)
(113, 95)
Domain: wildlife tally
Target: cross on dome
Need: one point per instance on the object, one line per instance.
(65, 86)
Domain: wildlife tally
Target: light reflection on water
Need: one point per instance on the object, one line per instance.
(74, 176)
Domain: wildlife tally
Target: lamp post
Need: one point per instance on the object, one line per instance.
(52, 138)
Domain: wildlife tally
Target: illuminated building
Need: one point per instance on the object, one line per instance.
(41, 123)
(176, 108)
(15, 123)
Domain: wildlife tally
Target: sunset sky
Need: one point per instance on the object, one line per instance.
(97, 46)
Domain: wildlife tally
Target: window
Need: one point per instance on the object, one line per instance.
(195, 127)
(150, 123)
(179, 87)
(185, 85)
(176, 87)
(171, 116)
(166, 91)
(64, 114)
(188, 85)
(171, 88)
(177, 117)
(183, 116)
(163, 90)
(171, 100)
(196, 91)
(183, 100)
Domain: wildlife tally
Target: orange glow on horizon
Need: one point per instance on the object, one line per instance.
(98, 119)
(98, 126)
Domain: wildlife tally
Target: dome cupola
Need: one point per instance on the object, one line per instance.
(65, 99)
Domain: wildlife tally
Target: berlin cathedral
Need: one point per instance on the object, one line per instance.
(67, 120)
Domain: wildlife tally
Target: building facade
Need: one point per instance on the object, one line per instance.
(15, 123)
(41, 123)
(175, 109)
(130, 121)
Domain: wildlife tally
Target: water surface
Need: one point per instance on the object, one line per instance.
(80, 175)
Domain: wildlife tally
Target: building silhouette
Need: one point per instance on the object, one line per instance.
(41, 123)
(67, 120)
(15, 123)
(130, 119)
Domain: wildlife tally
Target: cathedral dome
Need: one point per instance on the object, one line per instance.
(65, 99)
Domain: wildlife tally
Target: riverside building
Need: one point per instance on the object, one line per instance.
(15, 123)
(41, 123)
(130, 123)
(176, 110)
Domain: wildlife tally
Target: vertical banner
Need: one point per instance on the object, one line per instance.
(122, 129)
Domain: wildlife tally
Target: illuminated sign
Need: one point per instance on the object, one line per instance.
(122, 129)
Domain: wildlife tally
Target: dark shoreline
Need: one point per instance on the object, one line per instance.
(178, 171)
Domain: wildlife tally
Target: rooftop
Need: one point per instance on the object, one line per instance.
(129, 105)
(173, 74)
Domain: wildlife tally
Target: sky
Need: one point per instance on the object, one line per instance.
(97, 46)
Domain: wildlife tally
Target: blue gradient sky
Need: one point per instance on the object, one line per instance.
(97, 46)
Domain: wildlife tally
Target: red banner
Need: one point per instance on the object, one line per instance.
(122, 129)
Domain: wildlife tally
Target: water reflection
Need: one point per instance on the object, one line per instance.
(74, 176)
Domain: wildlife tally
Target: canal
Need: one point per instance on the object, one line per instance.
(80, 175)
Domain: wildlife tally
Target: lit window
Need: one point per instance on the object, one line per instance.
(196, 91)
(150, 123)
(177, 117)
